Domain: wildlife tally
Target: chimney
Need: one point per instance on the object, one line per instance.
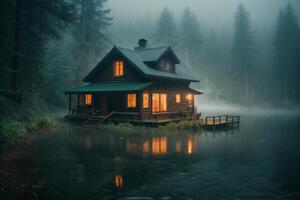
(142, 44)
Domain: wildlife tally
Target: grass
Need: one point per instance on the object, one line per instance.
(172, 127)
(11, 129)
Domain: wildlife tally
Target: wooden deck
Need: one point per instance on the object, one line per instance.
(134, 117)
(221, 121)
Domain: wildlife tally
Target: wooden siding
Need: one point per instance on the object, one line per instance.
(171, 89)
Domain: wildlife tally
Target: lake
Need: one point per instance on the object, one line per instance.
(258, 160)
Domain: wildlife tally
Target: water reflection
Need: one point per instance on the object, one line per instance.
(119, 181)
(146, 145)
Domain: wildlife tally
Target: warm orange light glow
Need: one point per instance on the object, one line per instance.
(189, 98)
(146, 147)
(159, 102)
(155, 102)
(178, 146)
(119, 181)
(131, 147)
(163, 102)
(178, 98)
(190, 144)
(131, 100)
(88, 99)
(159, 145)
(146, 100)
(118, 68)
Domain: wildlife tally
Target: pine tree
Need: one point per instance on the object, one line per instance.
(166, 32)
(287, 48)
(35, 21)
(90, 35)
(191, 37)
(242, 54)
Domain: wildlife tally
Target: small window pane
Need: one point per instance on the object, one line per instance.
(118, 68)
(155, 102)
(88, 99)
(145, 100)
(131, 100)
(163, 102)
(178, 98)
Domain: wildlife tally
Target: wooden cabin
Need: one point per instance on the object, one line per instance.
(140, 85)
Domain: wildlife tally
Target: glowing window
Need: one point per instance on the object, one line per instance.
(118, 68)
(131, 100)
(155, 102)
(146, 100)
(159, 102)
(189, 98)
(163, 102)
(88, 99)
(178, 98)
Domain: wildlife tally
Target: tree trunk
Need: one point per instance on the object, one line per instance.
(14, 68)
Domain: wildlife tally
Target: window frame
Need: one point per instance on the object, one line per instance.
(118, 68)
(178, 98)
(159, 100)
(129, 100)
(147, 104)
(88, 99)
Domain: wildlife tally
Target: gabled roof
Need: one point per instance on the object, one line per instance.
(109, 87)
(138, 58)
(154, 54)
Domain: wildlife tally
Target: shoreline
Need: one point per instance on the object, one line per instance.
(17, 171)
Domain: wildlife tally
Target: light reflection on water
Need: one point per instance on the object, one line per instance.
(260, 160)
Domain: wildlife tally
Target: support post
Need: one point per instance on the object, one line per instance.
(70, 103)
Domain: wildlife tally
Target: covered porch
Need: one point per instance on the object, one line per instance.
(125, 102)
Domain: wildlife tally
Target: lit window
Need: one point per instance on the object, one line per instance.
(155, 102)
(131, 100)
(178, 98)
(189, 98)
(118, 68)
(146, 100)
(163, 102)
(88, 99)
(159, 102)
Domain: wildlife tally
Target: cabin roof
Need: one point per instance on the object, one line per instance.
(139, 58)
(109, 87)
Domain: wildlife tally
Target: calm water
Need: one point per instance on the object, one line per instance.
(260, 160)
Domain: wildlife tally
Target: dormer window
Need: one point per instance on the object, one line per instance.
(118, 68)
(166, 64)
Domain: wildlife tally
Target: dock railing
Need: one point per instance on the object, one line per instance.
(221, 120)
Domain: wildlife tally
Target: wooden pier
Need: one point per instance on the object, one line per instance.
(221, 121)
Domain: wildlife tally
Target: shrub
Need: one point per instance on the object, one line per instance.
(9, 131)
(46, 122)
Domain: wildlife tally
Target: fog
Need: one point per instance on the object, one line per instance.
(212, 14)
(244, 52)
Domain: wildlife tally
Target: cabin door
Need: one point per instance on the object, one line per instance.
(115, 102)
(103, 104)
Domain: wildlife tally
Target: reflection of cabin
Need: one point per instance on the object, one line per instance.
(140, 85)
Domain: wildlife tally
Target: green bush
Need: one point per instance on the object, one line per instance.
(182, 125)
(46, 122)
(9, 131)
(172, 127)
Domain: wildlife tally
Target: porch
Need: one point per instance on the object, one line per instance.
(127, 102)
